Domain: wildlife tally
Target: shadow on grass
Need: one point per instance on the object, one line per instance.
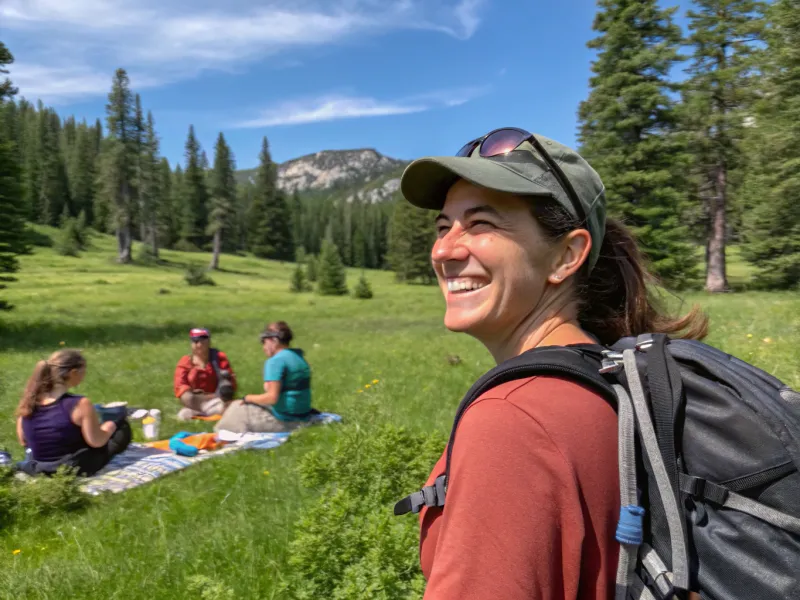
(46, 337)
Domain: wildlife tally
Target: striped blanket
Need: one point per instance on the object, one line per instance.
(141, 463)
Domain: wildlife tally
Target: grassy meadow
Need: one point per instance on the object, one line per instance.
(230, 518)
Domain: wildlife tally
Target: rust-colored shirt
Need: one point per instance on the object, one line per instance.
(533, 498)
(189, 377)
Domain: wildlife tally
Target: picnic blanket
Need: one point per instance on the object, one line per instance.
(142, 463)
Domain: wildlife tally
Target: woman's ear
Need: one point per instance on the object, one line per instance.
(572, 252)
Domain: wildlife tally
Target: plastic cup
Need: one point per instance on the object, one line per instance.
(150, 428)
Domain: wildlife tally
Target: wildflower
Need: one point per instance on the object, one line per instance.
(360, 391)
(374, 381)
(266, 472)
(60, 343)
(17, 551)
(767, 340)
(749, 335)
(368, 386)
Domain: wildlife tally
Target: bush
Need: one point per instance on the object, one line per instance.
(185, 246)
(145, 255)
(197, 275)
(363, 289)
(68, 240)
(349, 544)
(299, 283)
(24, 500)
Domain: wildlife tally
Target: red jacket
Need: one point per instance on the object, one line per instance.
(189, 377)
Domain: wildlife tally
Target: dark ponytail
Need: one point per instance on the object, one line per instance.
(46, 375)
(616, 298)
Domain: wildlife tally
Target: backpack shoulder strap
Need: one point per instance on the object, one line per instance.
(580, 363)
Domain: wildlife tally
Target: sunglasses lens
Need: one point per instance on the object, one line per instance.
(502, 141)
(467, 149)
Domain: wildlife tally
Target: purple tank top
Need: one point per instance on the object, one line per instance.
(50, 432)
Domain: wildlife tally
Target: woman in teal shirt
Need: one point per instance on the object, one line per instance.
(286, 401)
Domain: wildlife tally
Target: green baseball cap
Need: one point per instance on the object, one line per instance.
(523, 172)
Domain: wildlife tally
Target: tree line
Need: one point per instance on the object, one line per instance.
(706, 161)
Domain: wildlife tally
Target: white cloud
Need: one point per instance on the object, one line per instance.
(335, 106)
(177, 39)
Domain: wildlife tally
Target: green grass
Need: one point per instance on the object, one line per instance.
(231, 518)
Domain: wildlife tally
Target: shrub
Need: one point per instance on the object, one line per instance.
(22, 500)
(197, 275)
(363, 289)
(145, 255)
(185, 246)
(350, 544)
(68, 240)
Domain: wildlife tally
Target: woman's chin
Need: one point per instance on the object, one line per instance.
(461, 321)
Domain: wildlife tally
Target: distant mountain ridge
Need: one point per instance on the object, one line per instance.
(364, 172)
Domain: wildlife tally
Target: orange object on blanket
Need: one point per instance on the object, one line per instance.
(209, 418)
(201, 441)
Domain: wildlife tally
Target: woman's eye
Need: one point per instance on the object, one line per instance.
(480, 223)
(440, 229)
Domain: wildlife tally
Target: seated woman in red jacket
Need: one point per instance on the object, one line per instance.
(204, 380)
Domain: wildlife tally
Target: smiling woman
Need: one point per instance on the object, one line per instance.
(526, 258)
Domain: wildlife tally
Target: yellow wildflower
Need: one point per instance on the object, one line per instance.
(60, 343)
(749, 335)
(360, 391)
(17, 551)
(368, 386)
(266, 472)
(374, 381)
(767, 340)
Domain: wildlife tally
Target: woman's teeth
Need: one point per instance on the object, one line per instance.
(464, 285)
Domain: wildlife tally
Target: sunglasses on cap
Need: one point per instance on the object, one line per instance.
(269, 334)
(506, 139)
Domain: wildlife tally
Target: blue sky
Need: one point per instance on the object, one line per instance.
(407, 77)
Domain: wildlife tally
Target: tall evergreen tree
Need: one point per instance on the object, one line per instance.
(54, 183)
(271, 232)
(82, 169)
(772, 223)
(412, 236)
(119, 161)
(167, 224)
(331, 275)
(139, 132)
(718, 97)
(149, 185)
(223, 196)
(297, 220)
(628, 130)
(13, 235)
(196, 193)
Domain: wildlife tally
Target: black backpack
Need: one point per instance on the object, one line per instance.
(709, 451)
(224, 384)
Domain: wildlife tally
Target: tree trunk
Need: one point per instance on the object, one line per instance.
(124, 225)
(154, 235)
(716, 280)
(215, 254)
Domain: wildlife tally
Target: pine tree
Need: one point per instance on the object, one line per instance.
(167, 223)
(363, 289)
(412, 237)
(139, 213)
(718, 97)
(628, 131)
(311, 267)
(119, 161)
(223, 196)
(83, 173)
(149, 191)
(196, 194)
(297, 220)
(772, 223)
(270, 217)
(299, 283)
(332, 278)
(13, 234)
(54, 184)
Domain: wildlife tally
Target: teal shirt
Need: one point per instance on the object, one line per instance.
(290, 368)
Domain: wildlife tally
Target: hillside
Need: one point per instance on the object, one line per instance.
(363, 173)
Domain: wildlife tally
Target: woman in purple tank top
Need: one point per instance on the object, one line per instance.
(62, 428)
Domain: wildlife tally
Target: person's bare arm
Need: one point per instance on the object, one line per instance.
(95, 434)
(272, 391)
(20, 433)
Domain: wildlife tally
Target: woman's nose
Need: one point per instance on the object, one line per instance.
(451, 246)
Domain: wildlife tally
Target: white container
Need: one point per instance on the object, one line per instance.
(150, 428)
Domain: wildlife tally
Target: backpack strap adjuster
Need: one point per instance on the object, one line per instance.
(430, 496)
(702, 489)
